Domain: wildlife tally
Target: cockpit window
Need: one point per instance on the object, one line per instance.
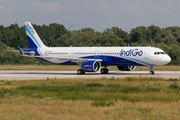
(158, 53)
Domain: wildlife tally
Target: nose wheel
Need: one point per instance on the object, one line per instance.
(151, 70)
(104, 71)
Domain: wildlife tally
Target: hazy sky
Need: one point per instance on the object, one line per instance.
(96, 14)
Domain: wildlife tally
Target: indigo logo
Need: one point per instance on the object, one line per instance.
(131, 52)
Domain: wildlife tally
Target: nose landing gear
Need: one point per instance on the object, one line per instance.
(151, 70)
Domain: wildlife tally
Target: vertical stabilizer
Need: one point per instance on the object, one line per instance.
(33, 38)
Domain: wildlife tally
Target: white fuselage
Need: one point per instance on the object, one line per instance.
(118, 55)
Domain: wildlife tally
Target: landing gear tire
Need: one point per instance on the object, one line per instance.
(151, 72)
(80, 71)
(104, 71)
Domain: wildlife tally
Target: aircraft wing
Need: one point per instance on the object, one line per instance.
(77, 60)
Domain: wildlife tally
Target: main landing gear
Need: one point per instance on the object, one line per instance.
(151, 70)
(80, 71)
(104, 71)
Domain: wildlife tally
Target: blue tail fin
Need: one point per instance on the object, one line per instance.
(33, 38)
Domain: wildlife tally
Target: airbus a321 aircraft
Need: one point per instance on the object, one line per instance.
(91, 59)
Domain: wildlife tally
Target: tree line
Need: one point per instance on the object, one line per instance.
(56, 35)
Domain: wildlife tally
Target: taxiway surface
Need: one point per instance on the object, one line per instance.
(44, 74)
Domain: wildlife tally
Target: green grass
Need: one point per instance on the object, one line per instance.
(174, 86)
(82, 92)
(101, 90)
(99, 103)
(79, 98)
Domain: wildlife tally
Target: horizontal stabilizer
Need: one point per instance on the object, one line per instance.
(20, 50)
(13, 50)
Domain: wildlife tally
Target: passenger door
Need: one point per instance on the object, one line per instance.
(71, 54)
(146, 53)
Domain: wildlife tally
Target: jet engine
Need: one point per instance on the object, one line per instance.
(91, 66)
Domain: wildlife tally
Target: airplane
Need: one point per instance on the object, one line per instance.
(94, 59)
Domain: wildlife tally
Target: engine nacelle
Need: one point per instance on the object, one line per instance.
(126, 68)
(91, 66)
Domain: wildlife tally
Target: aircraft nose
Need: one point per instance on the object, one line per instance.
(163, 60)
(168, 59)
